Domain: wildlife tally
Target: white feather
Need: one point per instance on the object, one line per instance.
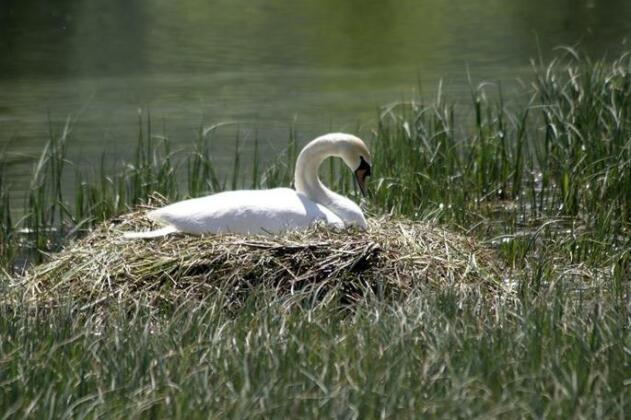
(151, 233)
(245, 211)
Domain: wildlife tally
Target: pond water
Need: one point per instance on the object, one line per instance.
(315, 65)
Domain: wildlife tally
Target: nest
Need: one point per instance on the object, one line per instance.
(390, 259)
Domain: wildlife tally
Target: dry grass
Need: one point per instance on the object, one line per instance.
(388, 260)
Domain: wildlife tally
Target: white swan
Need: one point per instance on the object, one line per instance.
(279, 209)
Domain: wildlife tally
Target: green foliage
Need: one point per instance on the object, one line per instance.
(440, 355)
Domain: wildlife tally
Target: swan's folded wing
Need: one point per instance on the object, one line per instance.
(246, 211)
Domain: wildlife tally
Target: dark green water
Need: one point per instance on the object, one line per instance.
(316, 65)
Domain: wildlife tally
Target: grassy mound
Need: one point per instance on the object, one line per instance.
(388, 260)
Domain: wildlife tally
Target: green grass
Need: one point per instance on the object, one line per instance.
(442, 355)
(546, 182)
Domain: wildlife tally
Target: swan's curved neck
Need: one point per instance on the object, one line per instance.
(306, 179)
(307, 182)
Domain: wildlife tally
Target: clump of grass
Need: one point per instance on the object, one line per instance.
(439, 355)
(7, 245)
(549, 172)
(388, 260)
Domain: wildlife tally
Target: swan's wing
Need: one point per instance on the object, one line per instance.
(246, 211)
(347, 210)
(150, 234)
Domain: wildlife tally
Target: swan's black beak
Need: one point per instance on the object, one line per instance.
(360, 175)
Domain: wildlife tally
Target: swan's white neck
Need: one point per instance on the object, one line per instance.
(307, 181)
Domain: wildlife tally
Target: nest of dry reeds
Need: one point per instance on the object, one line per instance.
(390, 259)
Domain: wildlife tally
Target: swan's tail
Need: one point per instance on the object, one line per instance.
(150, 234)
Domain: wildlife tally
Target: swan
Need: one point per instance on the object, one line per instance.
(279, 209)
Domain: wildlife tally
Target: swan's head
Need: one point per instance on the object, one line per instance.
(356, 155)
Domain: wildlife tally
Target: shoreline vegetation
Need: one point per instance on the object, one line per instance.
(544, 187)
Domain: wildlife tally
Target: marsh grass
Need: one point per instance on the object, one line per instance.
(545, 184)
(435, 354)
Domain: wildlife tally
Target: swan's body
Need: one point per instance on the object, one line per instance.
(274, 210)
(246, 211)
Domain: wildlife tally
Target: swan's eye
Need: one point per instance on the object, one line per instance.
(364, 166)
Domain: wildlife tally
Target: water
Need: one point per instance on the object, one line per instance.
(316, 65)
